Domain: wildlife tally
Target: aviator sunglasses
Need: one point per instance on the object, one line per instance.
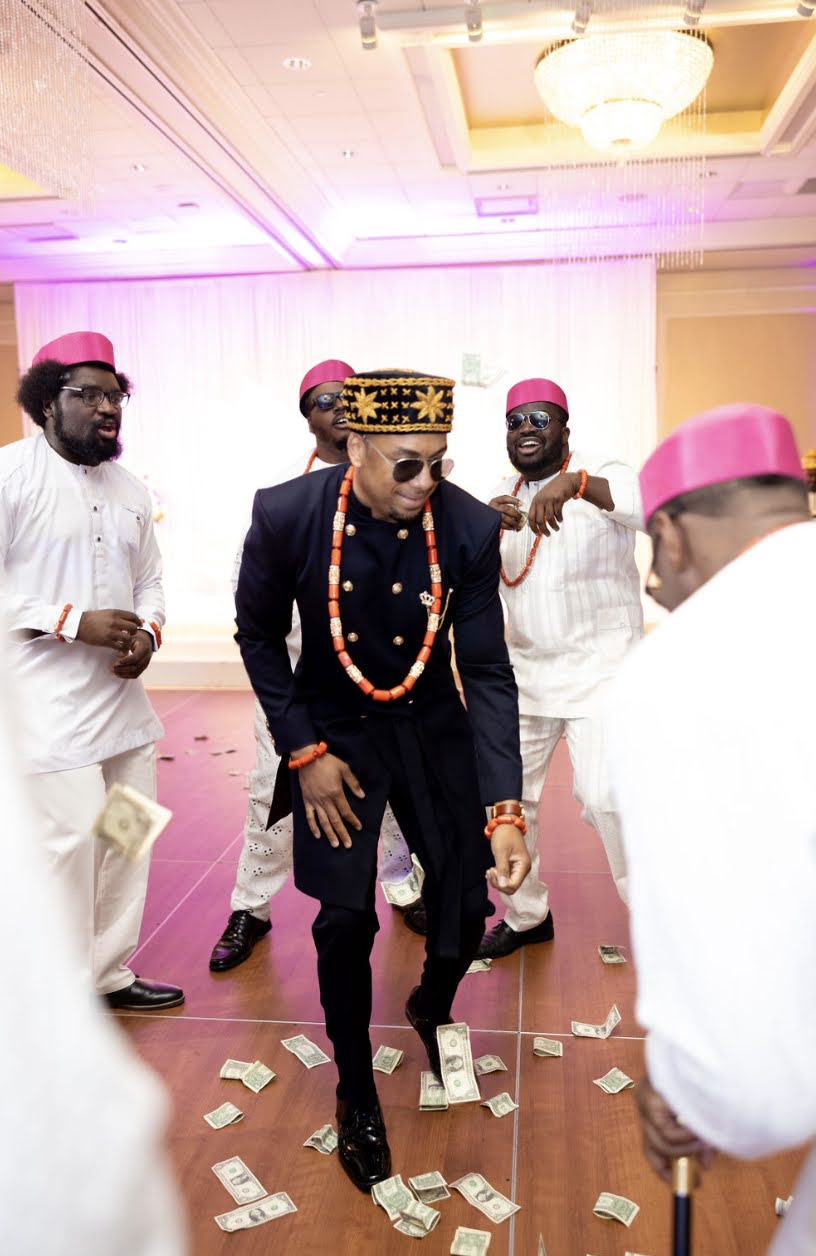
(538, 418)
(405, 469)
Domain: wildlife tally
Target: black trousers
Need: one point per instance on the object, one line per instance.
(344, 938)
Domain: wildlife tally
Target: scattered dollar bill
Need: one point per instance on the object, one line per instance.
(130, 821)
(429, 1188)
(457, 1063)
(470, 1242)
(323, 1140)
(611, 955)
(432, 1094)
(541, 1248)
(392, 1195)
(407, 891)
(257, 1076)
(241, 1183)
(387, 1059)
(547, 1046)
(306, 1051)
(256, 1214)
(201, 737)
(495, 1206)
(500, 1105)
(480, 966)
(234, 1070)
(782, 1205)
(227, 1114)
(614, 1081)
(417, 1219)
(489, 1064)
(615, 1208)
(167, 758)
(597, 1031)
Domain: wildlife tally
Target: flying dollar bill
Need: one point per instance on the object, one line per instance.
(407, 891)
(495, 1206)
(488, 1064)
(241, 1183)
(323, 1140)
(392, 1195)
(457, 1063)
(256, 1214)
(386, 1059)
(432, 1094)
(480, 966)
(597, 1031)
(500, 1105)
(470, 1242)
(130, 821)
(227, 1114)
(614, 1081)
(306, 1051)
(615, 1208)
(429, 1188)
(611, 955)
(234, 1070)
(257, 1076)
(547, 1046)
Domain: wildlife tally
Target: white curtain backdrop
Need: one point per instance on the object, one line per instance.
(216, 364)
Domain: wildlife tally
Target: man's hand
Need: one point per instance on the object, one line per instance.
(664, 1137)
(321, 784)
(546, 508)
(511, 858)
(132, 664)
(508, 508)
(113, 630)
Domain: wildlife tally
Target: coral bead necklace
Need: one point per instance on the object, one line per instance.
(525, 571)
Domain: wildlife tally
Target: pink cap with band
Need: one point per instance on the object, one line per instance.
(728, 443)
(527, 390)
(323, 373)
(77, 347)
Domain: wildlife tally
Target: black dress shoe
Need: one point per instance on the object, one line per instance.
(236, 942)
(502, 940)
(426, 1029)
(145, 996)
(416, 918)
(362, 1145)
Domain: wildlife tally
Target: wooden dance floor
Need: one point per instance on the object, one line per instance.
(567, 1142)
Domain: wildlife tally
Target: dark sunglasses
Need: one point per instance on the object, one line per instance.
(326, 401)
(538, 418)
(405, 469)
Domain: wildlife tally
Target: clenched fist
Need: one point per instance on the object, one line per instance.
(113, 630)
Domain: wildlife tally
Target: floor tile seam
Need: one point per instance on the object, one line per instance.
(176, 707)
(514, 1162)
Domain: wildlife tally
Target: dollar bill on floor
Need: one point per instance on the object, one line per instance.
(470, 1242)
(429, 1188)
(227, 1114)
(307, 1052)
(432, 1094)
(781, 1206)
(386, 1059)
(393, 1196)
(256, 1214)
(233, 1070)
(407, 891)
(611, 1207)
(489, 1064)
(479, 966)
(611, 955)
(614, 1081)
(582, 1030)
(323, 1140)
(130, 821)
(542, 1251)
(547, 1046)
(500, 1105)
(257, 1076)
(240, 1181)
(457, 1063)
(478, 1192)
(417, 1219)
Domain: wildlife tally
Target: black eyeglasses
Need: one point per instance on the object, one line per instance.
(326, 401)
(537, 418)
(93, 397)
(405, 469)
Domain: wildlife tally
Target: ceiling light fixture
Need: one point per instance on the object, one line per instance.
(694, 8)
(348, 153)
(296, 64)
(138, 168)
(805, 8)
(583, 12)
(367, 10)
(473, 20)
(620, 88)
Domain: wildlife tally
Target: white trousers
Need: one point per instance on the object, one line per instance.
(586, 744)
(105, 890)
(266, 856)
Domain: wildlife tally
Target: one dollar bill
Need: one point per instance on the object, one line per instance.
(240, 1181)
(781, 1206)
(306, 1051)
(470, 1242)
(234, 1070)
(227, 1114)
(386, 1059)
(429, 1188)
(547, 1046)
(417, 1219)
(457, 1063)
(615, 1208)
(614, 1081)
(257, 1076)
(489, 1064)
(130, 821)
(256, 1214)
(407, 891)
(432, 1094)
(582, 1030)
(323, 1140)
(611, 955)
(392, 1195)
(479, 966)
(500, 1105)
(478, 1192)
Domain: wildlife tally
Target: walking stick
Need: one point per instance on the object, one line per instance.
(682, 1173)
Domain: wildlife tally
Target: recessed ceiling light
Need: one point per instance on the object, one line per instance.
(297, 64)
(348, 153)
(502, 187)
(508, 220)
(138, 168)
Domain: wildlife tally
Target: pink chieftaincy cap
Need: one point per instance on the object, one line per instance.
(527, 390)
(727, 443)
(331, 369)
(76, 347)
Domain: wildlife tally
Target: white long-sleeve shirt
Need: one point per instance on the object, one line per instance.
(713, 764)
(79, 535)
(573, 618)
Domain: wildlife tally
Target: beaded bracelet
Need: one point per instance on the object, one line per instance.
(584, 477)
(66, 610)
(316, 753)
(493, 824)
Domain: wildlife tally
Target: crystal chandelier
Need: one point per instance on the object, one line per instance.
(620, 87)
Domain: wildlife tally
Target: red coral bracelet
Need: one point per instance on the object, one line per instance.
(304, 760)
(493, 824)
(584, 477)
(66, 610)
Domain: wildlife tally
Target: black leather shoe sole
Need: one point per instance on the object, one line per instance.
(233, 955)
(502, 940)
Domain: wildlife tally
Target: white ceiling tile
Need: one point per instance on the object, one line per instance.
(208, 25)
(345, 130)
(303, 95)
(238, 67)
(263, 100)
(253, 22)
